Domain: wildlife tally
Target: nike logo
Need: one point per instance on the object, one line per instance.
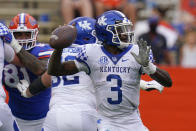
(123, 60)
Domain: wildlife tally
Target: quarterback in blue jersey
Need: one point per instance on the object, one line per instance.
(29, 113)
(115, 68)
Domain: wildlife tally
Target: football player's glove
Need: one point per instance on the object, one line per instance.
(151, 85)
(143, 57)
(22, 86)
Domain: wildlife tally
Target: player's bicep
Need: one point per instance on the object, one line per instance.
(69, 68)
(9, 53)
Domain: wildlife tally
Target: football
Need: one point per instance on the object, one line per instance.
(63, 36)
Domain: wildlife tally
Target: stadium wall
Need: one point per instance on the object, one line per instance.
(175, 108)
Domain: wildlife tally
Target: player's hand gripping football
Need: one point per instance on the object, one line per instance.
(143, 57)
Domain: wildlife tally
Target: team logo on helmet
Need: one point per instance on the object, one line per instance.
(85, 25)
(32, 22)
(101, 21)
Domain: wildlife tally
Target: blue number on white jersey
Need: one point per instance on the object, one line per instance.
(117, 88)
(66, 81)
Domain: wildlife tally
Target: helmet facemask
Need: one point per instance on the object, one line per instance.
(30, 42)
(25, 30)
(123, 34)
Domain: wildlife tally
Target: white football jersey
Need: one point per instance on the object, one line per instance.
(116, 79)
(73, 90)
(7, 53)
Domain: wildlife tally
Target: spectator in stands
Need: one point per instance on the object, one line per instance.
(188, 50)
(126, 6)
(157, 42)
(70, 7)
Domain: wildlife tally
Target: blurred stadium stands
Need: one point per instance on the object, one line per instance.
(45, 11)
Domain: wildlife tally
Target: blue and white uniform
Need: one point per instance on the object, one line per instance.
(116, 79)
(29, 112)
(73, 103)
(7, 122)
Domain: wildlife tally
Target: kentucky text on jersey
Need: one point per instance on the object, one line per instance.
(115, 69)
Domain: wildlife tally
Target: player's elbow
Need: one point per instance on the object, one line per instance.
(52, 73)
(168, 82)
(40, 72)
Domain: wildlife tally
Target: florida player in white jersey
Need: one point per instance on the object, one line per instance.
(29, 113)
(115, 68)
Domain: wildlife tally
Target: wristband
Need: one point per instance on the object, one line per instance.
(150, 69)
(37, 86)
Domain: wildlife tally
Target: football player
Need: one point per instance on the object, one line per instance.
(72, 96)
(29, 113)
(115, 68)
(73, 102)
(7, 122)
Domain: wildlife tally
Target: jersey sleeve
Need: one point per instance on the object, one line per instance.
(42, 51)
(9, 53)
(82, 60)
(151, 58)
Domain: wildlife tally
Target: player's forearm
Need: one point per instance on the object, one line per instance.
(32, 63)
(162, 77)
(36, 87)
(55, 66)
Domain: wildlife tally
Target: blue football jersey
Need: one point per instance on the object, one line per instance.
(32, 108)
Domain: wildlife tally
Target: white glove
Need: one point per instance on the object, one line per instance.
(143, 57)
(15, 45)
(22, 86)
(151, 85)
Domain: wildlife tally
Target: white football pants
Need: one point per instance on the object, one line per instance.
(70, 119)
(130, 122)
(30, 125)
(7, 122)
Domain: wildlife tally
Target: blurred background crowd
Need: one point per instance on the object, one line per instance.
(169, 26)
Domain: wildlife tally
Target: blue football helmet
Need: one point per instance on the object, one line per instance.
(85, 30)
(114, 28)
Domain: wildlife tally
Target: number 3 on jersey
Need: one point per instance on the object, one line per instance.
(117, 88)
